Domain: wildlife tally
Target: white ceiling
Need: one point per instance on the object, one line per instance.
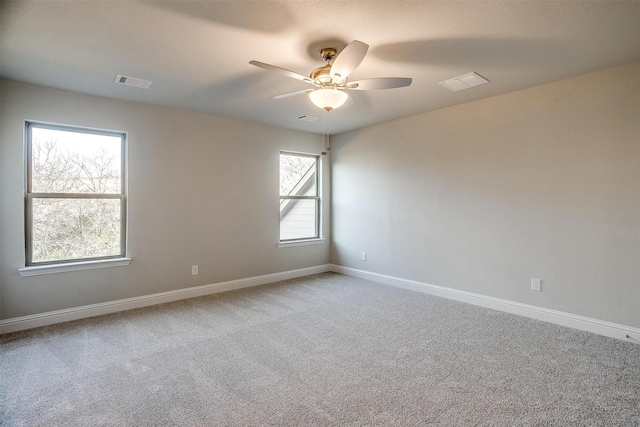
(197, 53)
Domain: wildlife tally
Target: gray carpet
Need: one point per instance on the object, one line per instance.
(323, 350)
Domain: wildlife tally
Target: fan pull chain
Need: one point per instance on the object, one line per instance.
(325, 137)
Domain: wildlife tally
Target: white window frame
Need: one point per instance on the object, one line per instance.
(35, 268)
(317, 238)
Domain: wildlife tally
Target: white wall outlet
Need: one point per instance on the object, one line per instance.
(535, 284)
(363, 257)
(194, 270)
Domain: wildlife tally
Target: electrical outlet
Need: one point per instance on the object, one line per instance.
(194, 270)
(535, 284)
(363, 257)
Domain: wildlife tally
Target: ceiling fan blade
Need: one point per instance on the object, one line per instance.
(282, 71)
(348, 60)
(289, 94)
(379, 83)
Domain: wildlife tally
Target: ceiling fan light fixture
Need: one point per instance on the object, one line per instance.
(328, 98)
(331, 81)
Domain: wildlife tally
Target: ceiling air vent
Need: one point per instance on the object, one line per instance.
(464, 82)
(307, 118)
(132, 81)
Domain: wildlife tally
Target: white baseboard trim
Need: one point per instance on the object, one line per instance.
(588, 324)
(59, 316)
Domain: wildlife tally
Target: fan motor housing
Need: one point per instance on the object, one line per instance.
(322, 74)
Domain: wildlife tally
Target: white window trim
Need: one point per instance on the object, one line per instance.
(319, 191)
(305, 242)
(81, 264)
(37, 270)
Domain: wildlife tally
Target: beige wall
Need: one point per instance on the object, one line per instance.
(481, 197)
(202, 190)
(543, 182)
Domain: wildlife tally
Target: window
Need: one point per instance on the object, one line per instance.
(75, 205)
(299, 197)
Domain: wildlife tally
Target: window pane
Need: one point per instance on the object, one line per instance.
(297, 175)
(298, 219)
(75, 162)
(66, 229)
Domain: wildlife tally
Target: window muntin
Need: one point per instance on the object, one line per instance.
(299, 197)
(75, 204)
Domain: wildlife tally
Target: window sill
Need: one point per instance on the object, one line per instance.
(301, 242)
(37, 270)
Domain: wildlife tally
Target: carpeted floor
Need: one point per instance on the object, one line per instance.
(323, 350)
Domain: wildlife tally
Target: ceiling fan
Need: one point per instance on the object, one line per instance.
(332, 79)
